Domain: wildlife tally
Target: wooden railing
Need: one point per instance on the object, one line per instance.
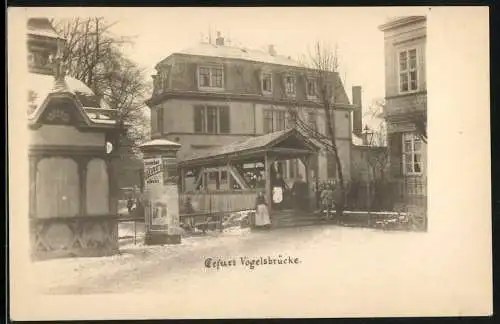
(219, 202)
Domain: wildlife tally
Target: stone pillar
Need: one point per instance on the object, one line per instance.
(161, 192)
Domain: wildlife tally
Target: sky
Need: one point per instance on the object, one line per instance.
(158, 32)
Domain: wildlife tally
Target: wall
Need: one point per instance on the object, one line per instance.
(64, 135)
(409, 36)
(178, 116)
(367, 158)
(413, 103)
(342, 124)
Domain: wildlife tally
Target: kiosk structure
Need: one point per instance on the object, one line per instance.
(72, 196)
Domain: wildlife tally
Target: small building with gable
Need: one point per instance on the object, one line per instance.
(72, 197)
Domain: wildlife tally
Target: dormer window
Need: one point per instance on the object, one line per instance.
(267, 83)
(312, 88)
(210, 77)
(290, 85)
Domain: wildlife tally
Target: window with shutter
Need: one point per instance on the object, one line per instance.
(211, 119)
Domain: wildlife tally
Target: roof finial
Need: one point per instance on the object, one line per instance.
(59, 66)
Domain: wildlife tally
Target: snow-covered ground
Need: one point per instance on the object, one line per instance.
(339, 271)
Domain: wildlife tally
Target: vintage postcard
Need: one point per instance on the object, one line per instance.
(249, 162)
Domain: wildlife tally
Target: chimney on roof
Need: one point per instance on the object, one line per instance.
(357, 115)
(271, 50)
(219, 40)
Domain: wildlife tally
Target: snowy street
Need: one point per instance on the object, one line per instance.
(154, 268)
(338, 268)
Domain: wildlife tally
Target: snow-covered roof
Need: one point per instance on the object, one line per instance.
(252, 144)
(41, 85)
(232, 52)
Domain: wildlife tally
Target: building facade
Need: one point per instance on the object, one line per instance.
(406, 103)
(214, 94)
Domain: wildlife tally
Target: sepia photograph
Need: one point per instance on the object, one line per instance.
(246, 163)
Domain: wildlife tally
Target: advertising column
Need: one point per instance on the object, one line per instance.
(161, 192)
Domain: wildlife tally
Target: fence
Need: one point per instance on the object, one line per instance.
(407, 195)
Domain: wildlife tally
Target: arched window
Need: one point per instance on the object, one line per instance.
(97, 187)
(57, 188)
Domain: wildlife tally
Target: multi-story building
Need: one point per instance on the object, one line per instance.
(214, 94)
(406, 102)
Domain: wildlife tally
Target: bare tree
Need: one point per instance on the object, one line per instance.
(323, 63)
(94, 55)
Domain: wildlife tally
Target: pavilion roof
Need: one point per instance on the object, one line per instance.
(258, 144)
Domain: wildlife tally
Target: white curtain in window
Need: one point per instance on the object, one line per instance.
(97, 187)
(57, 188)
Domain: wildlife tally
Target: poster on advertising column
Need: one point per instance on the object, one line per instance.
(153, 175)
